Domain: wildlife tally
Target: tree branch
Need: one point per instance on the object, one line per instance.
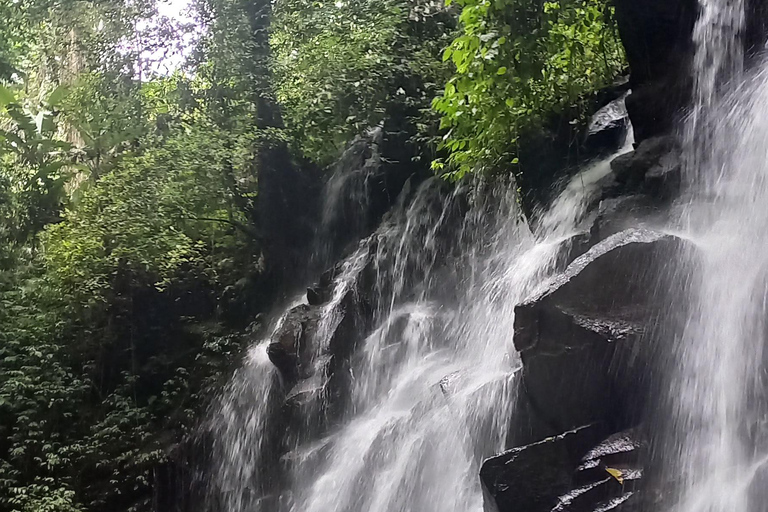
(252, 233)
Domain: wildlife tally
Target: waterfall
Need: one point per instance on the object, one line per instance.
(429, 388)
(239, 421)
(717, 63)
(715, 447)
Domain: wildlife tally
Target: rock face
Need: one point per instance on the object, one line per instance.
(657, 37)
(365, 182)
(327, 324)
(570, 472)
(587, 343)
(581, 338)
(291, 346)
(587, 338)
(312, 343)
(653, 168)
(757, 26)
(531, 477)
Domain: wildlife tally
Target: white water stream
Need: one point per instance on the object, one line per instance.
(716, 446)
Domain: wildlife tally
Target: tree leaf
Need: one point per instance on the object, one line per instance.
(617, 474)
(57, 95)
(6, 96)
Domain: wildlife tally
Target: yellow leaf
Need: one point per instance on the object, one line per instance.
(617, 474)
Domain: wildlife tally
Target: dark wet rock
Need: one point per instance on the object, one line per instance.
(757, 27)
(365, 183)
(317, 295)
(580, 336)
(571, 472)
(548, 154)
(528, 426)
(630, 168)
(312, 348)
(653, 168)
(657, 38)
(532, 477)
(290, 349)
(615, 450)
(609, 476)
(607, 130)
(624, 212)
(664, 179)
(320, 335)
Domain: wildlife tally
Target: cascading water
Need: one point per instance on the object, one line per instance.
(239, 421)
(431, 383)
(715, 444)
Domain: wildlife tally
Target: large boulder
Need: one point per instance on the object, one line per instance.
(290, 349)
(570, 472)
(653, 168)
(531, 477)
(313, 342)
(582, 337)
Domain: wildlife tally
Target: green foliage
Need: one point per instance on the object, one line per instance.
(40, 398)
(85, 385)
(518, 63)
(34, 162)
(156, 214)
(125, 207)
(75, 438)
(341, 67)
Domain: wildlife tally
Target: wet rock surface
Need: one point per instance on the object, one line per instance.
(574, 471)
(584, 339)
(657, 38)
(549, 155)
(291, 342)
(617, 214)
(531, 477)
(654, 168)
(607, 128)
(580, 337)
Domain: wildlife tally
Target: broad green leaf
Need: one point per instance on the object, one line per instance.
(57, 95)
(6, 96)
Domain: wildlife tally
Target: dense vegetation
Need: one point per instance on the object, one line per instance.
(132, 246)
